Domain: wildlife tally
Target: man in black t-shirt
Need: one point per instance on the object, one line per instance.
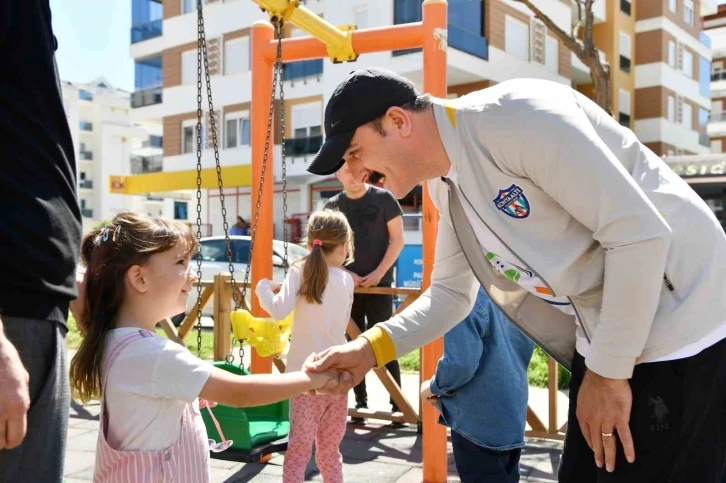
(39, 246)
(376, 219)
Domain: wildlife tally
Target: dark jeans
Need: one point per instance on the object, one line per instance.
(42, 348)
(678, 423)
(373, 309)
(476, 464)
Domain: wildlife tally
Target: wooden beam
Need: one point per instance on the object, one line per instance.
(535, 422)
(552, 390)
(382, 415)
(191, 317)
(170, 331)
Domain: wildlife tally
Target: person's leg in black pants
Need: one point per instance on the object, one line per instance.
(379, 308)
(358, 314)
(678, 423)
(476, 464)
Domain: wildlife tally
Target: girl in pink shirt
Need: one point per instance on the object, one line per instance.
(138, 272)
(321, 294)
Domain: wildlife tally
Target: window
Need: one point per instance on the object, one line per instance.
(189, 136)
(85, 95)
(671, 108)
(237, 129)
(624, 52)
(552, 56)
(672, 6)
(516, 38)
(85, 126)
(672, 53)
(237, 56)
(716, 147)
(687, 63)
(83, 204)
(624, 107)
(181, 210)
(688, 11)
(687, 116)
(625, 7)
(189, 67)
(360, 16)
(83, 176)
(189, 6)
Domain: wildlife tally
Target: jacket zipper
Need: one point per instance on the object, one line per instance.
(577, 312)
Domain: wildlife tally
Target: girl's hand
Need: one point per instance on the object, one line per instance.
(275, 287)
(204, 403)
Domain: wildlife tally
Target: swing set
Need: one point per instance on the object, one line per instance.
(252, 434)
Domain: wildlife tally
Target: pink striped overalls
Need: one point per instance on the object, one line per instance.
(186, 461)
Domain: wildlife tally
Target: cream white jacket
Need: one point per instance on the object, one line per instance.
(641, 257)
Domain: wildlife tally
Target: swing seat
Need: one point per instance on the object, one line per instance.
(255, 431)
(270, 337)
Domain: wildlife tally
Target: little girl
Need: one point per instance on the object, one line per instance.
(138, 272)
(321, 294)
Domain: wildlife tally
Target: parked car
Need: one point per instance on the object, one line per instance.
(214, 261)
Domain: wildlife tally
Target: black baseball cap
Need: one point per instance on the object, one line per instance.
(363, 96)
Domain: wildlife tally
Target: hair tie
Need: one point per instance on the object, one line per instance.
(104, 234)
(317, 243)
(116, 232)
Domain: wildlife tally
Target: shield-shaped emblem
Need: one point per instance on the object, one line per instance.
(513, 202)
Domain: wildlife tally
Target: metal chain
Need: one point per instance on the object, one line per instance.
(284, 164)
(277, 74)
(200, 36)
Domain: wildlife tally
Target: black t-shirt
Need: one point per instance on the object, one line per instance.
(41, 220)
(368, 217)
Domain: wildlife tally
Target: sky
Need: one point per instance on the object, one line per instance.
(93, 40)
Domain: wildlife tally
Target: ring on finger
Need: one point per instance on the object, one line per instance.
(607, 435)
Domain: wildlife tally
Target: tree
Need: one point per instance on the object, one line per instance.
(582, 46)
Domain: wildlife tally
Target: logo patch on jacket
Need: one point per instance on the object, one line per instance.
(513, 202)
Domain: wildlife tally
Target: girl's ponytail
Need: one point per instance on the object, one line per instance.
(315, 274)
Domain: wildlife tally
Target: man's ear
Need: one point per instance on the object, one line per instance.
(400, 119)
(136, 277)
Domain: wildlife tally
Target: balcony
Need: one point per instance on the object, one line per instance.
(718, 76)
(86, 213)
(149, 164)
(86, 184)
(146, 31)
(465, 27)
(85, 126)
(146, 97)
(85, 155)
(704, 139)
(297, 147)
(302, 69)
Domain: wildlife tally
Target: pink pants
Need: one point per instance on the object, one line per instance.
(321, 419)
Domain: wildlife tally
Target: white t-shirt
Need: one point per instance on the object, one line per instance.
(315, 327)
(148, 387)
(509, 265)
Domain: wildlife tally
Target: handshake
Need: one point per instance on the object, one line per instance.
(338, 369)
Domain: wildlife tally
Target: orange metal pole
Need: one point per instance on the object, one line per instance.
(261, 34)
(434, 71)
(379, 39)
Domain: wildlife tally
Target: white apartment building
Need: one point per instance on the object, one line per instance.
(107, 142)
(488, 42)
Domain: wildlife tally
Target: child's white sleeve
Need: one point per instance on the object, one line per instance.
(281, 304)
(175, 373)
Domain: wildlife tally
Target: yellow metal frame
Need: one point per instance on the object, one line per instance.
(234, 176)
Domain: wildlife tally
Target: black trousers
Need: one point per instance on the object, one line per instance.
(476, 464)
(367, 311)
(678, 423)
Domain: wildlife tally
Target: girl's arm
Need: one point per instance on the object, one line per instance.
(281, 304)
(260, 389)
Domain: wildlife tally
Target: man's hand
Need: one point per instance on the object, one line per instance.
(79, 304)
(427, 395)
(353, 360)
(372, 279)
(14, 395)
(603, 411)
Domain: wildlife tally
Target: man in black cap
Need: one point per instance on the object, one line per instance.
(584, 238)
(39, 247)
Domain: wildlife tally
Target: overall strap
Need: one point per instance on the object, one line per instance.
(116, 350)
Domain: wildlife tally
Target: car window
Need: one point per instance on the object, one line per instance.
(216, 251)
(294, 251)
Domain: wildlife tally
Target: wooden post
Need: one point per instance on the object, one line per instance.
(552, 389)
(435, 19)
(222, 310)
